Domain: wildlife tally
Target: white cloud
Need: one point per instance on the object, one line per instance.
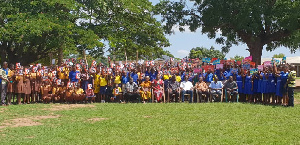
(182, 53)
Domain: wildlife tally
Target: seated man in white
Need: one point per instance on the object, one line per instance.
(216, 89)
(187, 88)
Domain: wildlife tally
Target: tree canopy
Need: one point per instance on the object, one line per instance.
(31, 30)
(270, 23)
(202, 52)
(280, 55)
(237, 58)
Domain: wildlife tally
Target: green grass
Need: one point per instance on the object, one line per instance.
(208, 123)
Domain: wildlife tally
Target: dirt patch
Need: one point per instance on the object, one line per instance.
(147, 117)
(29, 137)
(29, 121)
(2, 110)
(93, 120)
(68, 107)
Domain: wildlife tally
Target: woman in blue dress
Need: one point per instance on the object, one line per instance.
(248, 86)
(271, 86)
(283, 86)
(240, 81)
(264, 86)
(278, 93)
(255, 87)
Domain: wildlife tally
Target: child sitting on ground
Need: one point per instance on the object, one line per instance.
(90, 93)
(117, 92)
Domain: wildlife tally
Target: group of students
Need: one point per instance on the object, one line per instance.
(74, 84)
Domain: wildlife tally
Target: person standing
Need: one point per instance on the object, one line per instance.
(291, 85)
(4, 81)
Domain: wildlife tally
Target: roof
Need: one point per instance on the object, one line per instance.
(290, 60)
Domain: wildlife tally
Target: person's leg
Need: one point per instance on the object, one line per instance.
(191, 95)
(219, 93)
(176, 96)
(182, 95)
(3, 93)
(291, 97)
(213, 93)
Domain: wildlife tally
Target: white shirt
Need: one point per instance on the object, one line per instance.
(217, 85)
(186, 85)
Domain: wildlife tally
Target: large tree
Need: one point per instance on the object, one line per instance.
(129, 26)
(31, 30)
(257, 23)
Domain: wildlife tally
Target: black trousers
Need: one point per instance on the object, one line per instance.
(132, 97)
(173, 94)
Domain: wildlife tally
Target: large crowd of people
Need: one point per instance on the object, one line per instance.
(146, 82)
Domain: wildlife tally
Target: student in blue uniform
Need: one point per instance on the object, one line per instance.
(249, 86)
(264, 86)
(240, 82)
(283, 85)
(278, 92)
(255, 87)
(272, 85)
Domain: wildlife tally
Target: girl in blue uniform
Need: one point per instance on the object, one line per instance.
(249, 86)
(264, 86)
(240, 82)
(255, 87)
(283, 86)
(271, 86)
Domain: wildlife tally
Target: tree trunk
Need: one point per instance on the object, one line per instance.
(60, 56)
(255, 50)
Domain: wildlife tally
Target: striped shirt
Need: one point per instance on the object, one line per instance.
(292, 79)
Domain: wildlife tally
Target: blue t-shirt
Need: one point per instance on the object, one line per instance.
(218, 73)
(134, 77)
(72, 76)
(153, 76)
(210, 77)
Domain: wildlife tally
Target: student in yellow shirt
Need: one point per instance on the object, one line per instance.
(78, 94)
(145, 89)
(97, 85)
(103, 84)
(117, 93)
(69, 95)
(117, 79)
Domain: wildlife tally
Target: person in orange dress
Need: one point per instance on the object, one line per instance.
(27, 88)
(145, 89)
(19, 85)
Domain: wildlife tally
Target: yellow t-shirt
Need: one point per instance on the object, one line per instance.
(54, 90)
(103, 81)
(79, 91)
(178, 78)
(118, 80)
(167, 77)
(114, 92)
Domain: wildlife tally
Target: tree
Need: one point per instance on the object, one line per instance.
(270, 23)
(202, 52)
(280, 55)
(129, 26)
(237, 58)
(31, 30)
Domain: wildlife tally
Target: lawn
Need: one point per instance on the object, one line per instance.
(208, 123)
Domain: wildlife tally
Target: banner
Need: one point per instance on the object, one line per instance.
(197, 70)
(260, 68)
(219, 66)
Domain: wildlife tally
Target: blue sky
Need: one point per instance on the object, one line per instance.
(183, 42)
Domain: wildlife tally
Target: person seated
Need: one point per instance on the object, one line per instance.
(201, 89)
(145, 89)
(61, 92)
(45, 89)
(90, 94)
(54, 93)
(131, 91)
(158, 88)
(117, 93)
(186, 88)
(173, 89)
(216, 89)
(78, 94)
(69, 95)
(231, 88)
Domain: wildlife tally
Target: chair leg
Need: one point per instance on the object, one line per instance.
(226, 96)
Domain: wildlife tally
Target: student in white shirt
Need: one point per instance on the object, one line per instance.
(187, 88)
(216, 89)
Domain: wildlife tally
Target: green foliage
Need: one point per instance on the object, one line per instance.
(280, 55)
(237, 58)
(180, 123)
(202, 52)
(256, 23)
(30, 30)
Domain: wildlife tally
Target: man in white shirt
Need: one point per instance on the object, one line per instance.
(216, 89)
(187, 88)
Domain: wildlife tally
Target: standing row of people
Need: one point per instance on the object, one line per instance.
(71, 84)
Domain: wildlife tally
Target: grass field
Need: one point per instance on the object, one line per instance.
(208, 123)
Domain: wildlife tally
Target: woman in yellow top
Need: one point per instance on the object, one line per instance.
(145, 89)
(97, 85)
(103, 84)
(117, 79)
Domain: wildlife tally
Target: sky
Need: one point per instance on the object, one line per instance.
(183, 42)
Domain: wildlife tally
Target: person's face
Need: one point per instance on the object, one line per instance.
(230, 78)
(73, 68)
(216, 79)
(201, 79)
(131, 81)
(147, 78)
(186, 78)
(5, 65)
